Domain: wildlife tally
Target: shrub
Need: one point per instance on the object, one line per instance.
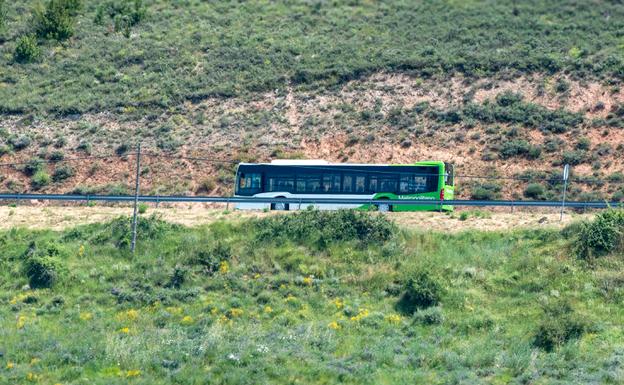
(323, 227)
(62, 172)
(85, 147)
(3, 14)
(123, 13)
(40, 179)
(122, 149)
(486, 191)
(19, 142)
(534, 191)
(519, 148)
(56, 19)
(429, 316)
(142, 208)
(559, 325)
(574, 157)
(583, 144)
(42, 264)
(178, 277)
(26, 49)
(32, 166)
(421, 290)
(603, 235)
(211, 259)
(57, 156)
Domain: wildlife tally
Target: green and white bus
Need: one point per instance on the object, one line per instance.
(430, 180)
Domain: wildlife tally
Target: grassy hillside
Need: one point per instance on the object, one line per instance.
(503, 88)
(113, 54)
(309, 298)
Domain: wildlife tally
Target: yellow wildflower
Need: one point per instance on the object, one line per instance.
(268, 309)
(81, 251)
(133, 373)
(10, 365)
(174, 310)
(362, 314)
(308, 280)
(214, 311)
(257, 275)
(34, 361)
(31, 376)
(282, 286)
(224, 267)
(290, 298)
(333, 325)
(187, 320)
(338, 303)
(236, 312)
(394, 318)
(124, 330)
(132, 314)
(21, 321)
(86, 316)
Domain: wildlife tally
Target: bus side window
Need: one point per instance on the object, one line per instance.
(241, 181)
(360, 184)
(347, 183)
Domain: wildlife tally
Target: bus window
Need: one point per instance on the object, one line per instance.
(360, 184)
(372, 184)
(313, 185)
(281, 183)
(331, 183)
(449, 177)
(347, 183)
(388, 185)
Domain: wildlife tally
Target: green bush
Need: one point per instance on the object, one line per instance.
(421, 290)
(62, 172)
(26, 49)
(603, 235)
(323, 227)
(534, 191)
(32, 166)
(486, 191)
(429, 316)
(519, 148)
(40, 179)
(574, 157)
(56, 19)
(211, 259)
(583, 144)
(124, 14)
(57, 156)
(143, 208)
(19, 143)
(3, 14)
(42, 264)
(559, 325)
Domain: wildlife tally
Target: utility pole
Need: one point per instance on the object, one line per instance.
(136, 198)
(566, 176)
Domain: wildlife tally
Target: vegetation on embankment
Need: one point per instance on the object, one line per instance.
(75, 56)
(311, 297)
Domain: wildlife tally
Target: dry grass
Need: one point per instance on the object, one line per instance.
(59, 218)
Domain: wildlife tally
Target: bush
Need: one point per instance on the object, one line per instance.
(604, 235)
(32, 166)
(56, 19)
(421, 290)
(42, 264)
(486, 191)
(534, 191)
(123, 13)
(559, 325)
(583, 144)
(323, 227)
(143, 208)
(26, 49)
(211, 259)
(62, 172)
(40, 179)
(57, 156)
(19, 142)
(3, 14)
(574, 157)
(429, 316)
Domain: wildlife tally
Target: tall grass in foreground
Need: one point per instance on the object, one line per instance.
(267, 302)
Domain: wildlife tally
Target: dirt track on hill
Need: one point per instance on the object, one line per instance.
(59, 218)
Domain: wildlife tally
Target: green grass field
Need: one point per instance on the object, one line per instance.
(167, 52)
(307, 298)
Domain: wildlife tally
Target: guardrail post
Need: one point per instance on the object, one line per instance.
(227, 204)
(299, 208)
(157, 201)
(137, 186)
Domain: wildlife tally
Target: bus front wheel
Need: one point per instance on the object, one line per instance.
(384, 207)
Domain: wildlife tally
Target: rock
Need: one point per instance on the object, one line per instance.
(543, 220)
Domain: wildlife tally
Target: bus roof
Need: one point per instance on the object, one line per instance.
(321, 162)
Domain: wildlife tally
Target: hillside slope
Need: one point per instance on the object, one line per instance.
(309, 298)
(500, 88)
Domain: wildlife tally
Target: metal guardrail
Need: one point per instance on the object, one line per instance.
(298, 201)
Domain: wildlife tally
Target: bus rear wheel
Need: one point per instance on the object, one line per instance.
(280, 206)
